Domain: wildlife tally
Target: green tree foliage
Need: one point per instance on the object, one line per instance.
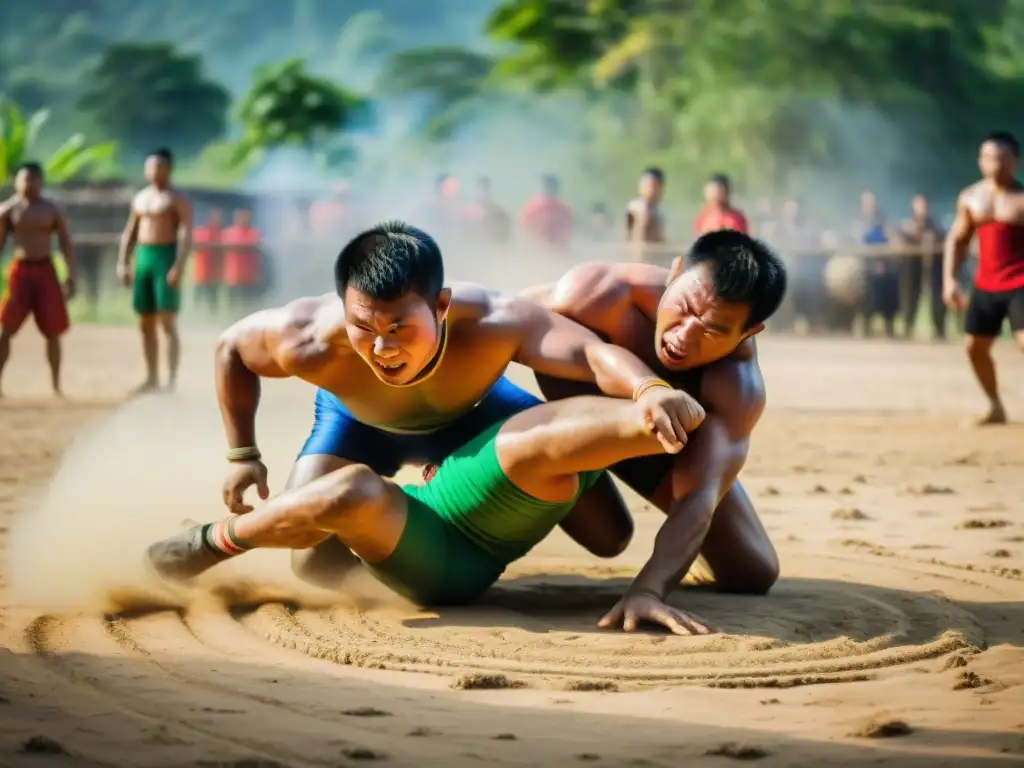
(289, 106)
(18, 145)
(764, 88)
(449, 80)
(147, 95)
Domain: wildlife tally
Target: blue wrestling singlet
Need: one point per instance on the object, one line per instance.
(337, 432)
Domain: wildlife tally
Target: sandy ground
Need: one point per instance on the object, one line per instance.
(900, 534)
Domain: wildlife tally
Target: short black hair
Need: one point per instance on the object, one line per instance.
(164, 154)
(655, 172)
(390, 260)
(743, 271)
(549, 183)
(32, 169)
(721, 179)
(1005, 139)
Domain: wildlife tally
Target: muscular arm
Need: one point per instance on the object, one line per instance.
(128, 237)
(272, 343)
(184, 211)
(67, 248)
(704, 472)
(559, 347)
(5, 214)
(959, 237)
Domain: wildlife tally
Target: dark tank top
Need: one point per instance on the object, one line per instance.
(1000, 257)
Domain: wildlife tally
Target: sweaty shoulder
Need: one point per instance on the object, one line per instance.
(734, 389)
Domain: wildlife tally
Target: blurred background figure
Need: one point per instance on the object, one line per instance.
(545, 219)
(485, 220)
(207, 262)
(718, 212)
(882, 272)
(645, 223)
(922, 272)
(244, 276)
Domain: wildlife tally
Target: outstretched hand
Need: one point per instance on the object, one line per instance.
(637, 607)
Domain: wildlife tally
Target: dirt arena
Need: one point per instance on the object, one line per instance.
(900, 599)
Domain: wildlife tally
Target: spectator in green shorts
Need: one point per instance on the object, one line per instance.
(158, 235)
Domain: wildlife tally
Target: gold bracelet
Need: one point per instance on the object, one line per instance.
(248, 453)
(650, 382)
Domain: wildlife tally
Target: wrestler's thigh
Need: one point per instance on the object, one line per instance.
(737, 548)
(600, 521)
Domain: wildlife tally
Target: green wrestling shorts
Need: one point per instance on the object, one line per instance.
(466, 525)
(150, 291)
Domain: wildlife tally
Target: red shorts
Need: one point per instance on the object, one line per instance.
(33, 289)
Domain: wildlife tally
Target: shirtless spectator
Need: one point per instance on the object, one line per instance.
(645, 222)
(33, 287)
(718, 212)
(158, 238)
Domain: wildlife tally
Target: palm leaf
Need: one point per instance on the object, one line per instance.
(56, 163)
(96, 157)
(13, 134)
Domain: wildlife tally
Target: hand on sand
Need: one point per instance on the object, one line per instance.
(243, 475)
(637, 607)
(670, 414)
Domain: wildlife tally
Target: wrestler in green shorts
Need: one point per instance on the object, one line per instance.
(151, 292)
(466, 525)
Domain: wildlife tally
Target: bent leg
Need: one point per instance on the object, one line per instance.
(329, 562)
(542, 450)
(600, 522)
(737, 550)
(353, 503)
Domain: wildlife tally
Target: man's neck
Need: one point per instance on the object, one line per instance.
(160, 187)
(1004, 185)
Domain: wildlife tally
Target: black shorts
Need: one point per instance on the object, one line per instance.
(988, 309)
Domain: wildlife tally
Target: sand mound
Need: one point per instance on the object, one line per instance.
(537, 629)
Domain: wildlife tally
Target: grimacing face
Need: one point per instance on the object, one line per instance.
(397, 339)
(694, 327)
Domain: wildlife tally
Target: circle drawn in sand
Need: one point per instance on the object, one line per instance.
(539, 629)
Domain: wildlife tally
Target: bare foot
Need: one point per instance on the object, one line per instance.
(144, 388)
(995, 415)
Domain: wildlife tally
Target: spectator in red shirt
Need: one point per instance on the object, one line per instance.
(206, 262)
(717, 212)
(242, 274)
(546, 219)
